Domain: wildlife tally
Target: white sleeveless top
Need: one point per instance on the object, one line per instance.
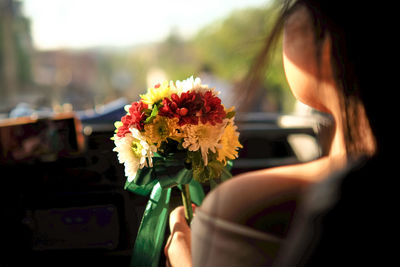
(217, 242)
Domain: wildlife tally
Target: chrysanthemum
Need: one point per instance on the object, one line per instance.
(134, 118)
(229, 144)
(184, 107)
(204, 137)
(191, 84)
(212, 110)
(134, 152)
(157, 93)
(160, 129)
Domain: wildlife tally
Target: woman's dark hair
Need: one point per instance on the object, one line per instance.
(352, 28)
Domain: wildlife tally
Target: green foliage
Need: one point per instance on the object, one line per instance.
(153, 115)
(229, 46)
(231, 114)
(201, 173)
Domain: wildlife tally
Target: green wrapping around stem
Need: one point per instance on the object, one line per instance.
(187, 203)
(156, 182)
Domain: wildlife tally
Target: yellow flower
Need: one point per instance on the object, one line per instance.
(117, 124)
(156, 93)
(204, 137)
(229, 144)
(160, 129)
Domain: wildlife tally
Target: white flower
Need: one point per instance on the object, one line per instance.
(191, 84)
(126, 108)
(134, 152)
(204, 137)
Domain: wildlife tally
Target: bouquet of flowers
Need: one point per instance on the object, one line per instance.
(181, 125)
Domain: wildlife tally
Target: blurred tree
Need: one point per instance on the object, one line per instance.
(230, 45)
(15, 51)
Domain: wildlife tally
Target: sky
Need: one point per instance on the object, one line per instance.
(90, 23)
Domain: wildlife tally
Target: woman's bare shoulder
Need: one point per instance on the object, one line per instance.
(261, 199)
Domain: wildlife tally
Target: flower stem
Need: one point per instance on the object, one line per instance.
(187, 203)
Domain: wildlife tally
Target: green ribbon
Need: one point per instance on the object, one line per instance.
(150, 237)
(156, 182)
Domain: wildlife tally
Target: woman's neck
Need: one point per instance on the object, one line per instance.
(338, 152)
(365, 144)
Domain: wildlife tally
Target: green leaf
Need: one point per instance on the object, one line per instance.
(231, 114)
(153, 114)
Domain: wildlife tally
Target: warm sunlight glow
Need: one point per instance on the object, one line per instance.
(88, 23)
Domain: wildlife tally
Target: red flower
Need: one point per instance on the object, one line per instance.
(122, 131)
(184, 107)
(192, 106)
(212, 111)
(135, 118)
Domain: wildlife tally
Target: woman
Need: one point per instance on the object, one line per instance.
(245, 220)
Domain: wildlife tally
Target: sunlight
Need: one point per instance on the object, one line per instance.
(82, 24)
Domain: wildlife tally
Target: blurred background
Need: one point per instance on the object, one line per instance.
(85, 54)
(67, 69)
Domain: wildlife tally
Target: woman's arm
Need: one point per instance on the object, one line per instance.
(263, 200)
(178, 247)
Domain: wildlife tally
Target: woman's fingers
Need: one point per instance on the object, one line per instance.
(194, 208)
(177, 248)
(177, 219)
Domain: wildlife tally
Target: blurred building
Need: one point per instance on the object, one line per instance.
(43, 78)
(71, 76)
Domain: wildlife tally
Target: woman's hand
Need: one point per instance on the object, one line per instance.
(178, 247)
